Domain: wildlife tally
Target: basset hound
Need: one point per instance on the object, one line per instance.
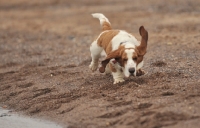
(124, 52)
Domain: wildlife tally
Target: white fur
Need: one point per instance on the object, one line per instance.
(130, 62)
(95, 50)
(123, 36)
(118, 77)
(101, 17)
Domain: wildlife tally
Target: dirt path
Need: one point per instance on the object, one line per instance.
(44, 58)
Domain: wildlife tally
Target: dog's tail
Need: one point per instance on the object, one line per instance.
(103, 21)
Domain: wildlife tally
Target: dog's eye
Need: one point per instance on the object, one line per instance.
(135, 58)
(125, 59)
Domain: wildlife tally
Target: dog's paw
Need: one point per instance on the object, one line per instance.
(93, 67)
(118, 81)
(140, 72)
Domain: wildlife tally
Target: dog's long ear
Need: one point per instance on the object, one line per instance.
(143, 45)
(113, 54)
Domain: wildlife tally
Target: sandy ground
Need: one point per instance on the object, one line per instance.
(44, 58)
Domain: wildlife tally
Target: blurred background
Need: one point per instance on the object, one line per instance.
(44, 58)
(70, 22)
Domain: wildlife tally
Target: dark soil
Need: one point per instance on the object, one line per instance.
(44, 59)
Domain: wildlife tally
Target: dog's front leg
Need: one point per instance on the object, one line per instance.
(118, 77)
(116, 73)
(140, 72)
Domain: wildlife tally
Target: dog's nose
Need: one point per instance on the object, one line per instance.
(131, 70)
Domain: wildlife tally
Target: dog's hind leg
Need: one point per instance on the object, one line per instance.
(95, 50)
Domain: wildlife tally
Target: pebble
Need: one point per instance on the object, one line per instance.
(71, 37)
(108, 123)
(4, 106)
(169, 43)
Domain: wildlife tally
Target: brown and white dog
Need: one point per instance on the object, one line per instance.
(124, 52)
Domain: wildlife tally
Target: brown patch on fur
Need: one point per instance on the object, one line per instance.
(139, 59)
(141, 49)
(102, 69)
(137, 56)
(122, 60)
(112, 68)
(119, 55)
(105, 40)
(143, 45)
(106, 26)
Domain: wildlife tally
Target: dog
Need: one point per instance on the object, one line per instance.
(124, 52)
